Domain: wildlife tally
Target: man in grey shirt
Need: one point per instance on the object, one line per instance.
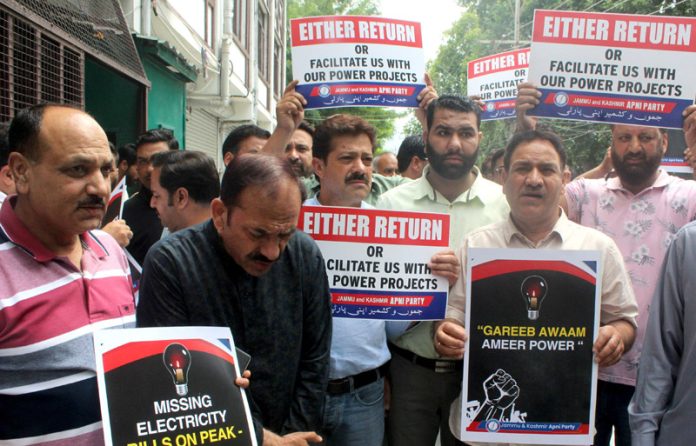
(662, 409)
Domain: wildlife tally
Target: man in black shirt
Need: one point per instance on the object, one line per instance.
(247, 268)
(141, 218)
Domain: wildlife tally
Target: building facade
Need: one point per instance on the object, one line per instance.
(237, 49)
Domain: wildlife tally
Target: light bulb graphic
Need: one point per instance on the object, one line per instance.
(177, 360)
(533, 291)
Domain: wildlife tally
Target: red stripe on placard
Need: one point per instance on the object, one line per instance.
(615, 30)
(510, 60)
(375, 226)
(502, 105)
(355, 29)
(134, 351)
(500, 267)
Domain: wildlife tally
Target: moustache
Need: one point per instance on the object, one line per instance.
(92, 201)
(258, 257)
(356, 176)
(631, 156)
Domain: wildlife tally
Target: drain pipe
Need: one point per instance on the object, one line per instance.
(146, 17)
(225, 53)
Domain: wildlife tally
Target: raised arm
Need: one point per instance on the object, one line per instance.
(527, 98)
(425, 97)
(289, 115)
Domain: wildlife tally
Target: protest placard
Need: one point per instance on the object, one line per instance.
(673, 160)
(171, 386)
(614, 68)
(531, 316)
(494, 79)
(377, 261)
(344, 61)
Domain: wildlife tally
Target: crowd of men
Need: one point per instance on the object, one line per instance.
(227, 253)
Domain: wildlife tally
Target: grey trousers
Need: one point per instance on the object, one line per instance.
(420, 403)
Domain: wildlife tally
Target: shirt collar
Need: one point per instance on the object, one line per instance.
(663, 179)
(314, 201)
(20, 235)
(478, 190)
(561, 229)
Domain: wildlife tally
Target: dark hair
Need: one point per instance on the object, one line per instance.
(23, 135)
(157, 135)
(241, 133)
(661, 129)
(114, 152)
(495, 156)
(411, 146)
(256, 170)
(194, 171)
(127, 153)
(456, 103)
(534, 135)
(340, 125)
(307, 127)
(4, 144)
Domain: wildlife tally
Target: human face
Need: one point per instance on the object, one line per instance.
(113, 178)
(132, 172)
(636, 153)
(257, 230)
(64, 193)
(346, 175)
(534, 184)
(387, 164)
(299, 153)
(452, 143)
(252, 144)
(499, 170)
(163, 202)
(144, 160)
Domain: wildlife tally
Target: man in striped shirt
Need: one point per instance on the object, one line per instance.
(59, 279)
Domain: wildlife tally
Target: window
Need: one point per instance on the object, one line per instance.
(262, 54)
(200, 15)
(210, 22)
(279, 49)
(240, 27)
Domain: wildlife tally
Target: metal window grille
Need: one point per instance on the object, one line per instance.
(96, 26)
(36, 67)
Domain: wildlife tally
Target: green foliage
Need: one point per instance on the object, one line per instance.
(488, 28)
(382, 118)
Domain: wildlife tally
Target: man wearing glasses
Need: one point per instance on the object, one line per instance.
(142, 219)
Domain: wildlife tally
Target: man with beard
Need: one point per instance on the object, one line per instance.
(143, 220)
(642, 208)
(60, 279)
(423, 384)
(299, 150)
